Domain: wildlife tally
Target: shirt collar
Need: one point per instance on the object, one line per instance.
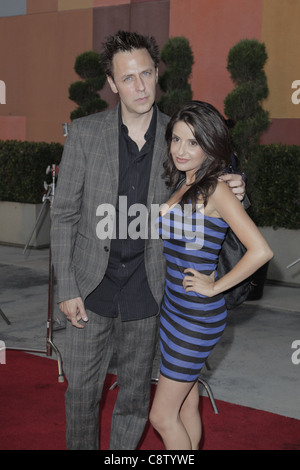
(150, 134)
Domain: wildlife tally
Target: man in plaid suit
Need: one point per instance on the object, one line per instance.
(110, 288)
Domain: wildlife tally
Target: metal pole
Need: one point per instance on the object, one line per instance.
(48, 197)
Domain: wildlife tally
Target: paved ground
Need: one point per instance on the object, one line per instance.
(251, 366)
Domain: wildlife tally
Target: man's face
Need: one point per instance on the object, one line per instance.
(135, 79)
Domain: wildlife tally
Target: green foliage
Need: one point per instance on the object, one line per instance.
(246, 60)
(244, 100)
(88, 65)
(172, 100)
(23, 169)
(177, 55)
(244, 104)
(245, 136)
(85, 93)
(274, 187)
(272, 170)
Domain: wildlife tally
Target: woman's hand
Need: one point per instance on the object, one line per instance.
(200, 283)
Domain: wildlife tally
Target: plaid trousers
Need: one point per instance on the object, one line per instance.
(86, 359)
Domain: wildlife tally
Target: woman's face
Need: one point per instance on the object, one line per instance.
(187, 154)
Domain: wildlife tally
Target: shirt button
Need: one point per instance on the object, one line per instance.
(123, 266)
(133, 187)
(106, 248)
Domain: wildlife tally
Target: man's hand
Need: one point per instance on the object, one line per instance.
(74, 311)
(236, 183)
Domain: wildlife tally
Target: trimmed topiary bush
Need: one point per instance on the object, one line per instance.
(85, 92)
(243, 105)
(177, 55)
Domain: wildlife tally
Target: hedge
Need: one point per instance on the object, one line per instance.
(273, 178)
(273, 186)
(23, 169)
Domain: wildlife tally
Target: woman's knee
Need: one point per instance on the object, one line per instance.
(154, 418)
(160, 421)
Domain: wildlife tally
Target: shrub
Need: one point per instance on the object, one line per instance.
(273, 186)
(243, 105)
(177, 55)
(85, 93)
(23, 169)
(272, 170)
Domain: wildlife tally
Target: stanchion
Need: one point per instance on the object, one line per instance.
(293, 263)
(48, 198)
(4, 317)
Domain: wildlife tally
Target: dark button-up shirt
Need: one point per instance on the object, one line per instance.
(124, 287)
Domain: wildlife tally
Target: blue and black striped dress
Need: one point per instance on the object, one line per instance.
(191, 324)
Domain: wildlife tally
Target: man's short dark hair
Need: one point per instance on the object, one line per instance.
(124, 41)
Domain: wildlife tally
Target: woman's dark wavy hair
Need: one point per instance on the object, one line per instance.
(211, 132)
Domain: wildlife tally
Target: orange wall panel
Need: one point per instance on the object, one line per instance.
(212, 28)
(38, 68)
(12, 127)
(282, 131)
(281, 34)
(38, 51)
(36, 6)
(109, 3)
(74, 4)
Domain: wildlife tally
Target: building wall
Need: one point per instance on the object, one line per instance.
(217, 26)
(37, 55)
(281, 34)
(40, 40)
(214, 26)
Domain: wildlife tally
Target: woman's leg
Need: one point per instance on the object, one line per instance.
(166, 418)
(190, 416)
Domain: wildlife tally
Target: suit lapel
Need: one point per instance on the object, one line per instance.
(111, 145)
(158, 158)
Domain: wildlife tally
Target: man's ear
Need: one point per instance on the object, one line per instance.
(112, 84)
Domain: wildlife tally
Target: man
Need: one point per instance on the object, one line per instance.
(110, 288)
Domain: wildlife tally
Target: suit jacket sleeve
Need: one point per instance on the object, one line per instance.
(65, 214)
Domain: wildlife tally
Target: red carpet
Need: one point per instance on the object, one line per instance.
(32, 415)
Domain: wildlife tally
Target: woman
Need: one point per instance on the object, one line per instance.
(193, 315)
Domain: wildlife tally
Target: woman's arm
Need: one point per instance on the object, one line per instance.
(224, 204)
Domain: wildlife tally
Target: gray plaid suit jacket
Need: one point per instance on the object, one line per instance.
(88, 176)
